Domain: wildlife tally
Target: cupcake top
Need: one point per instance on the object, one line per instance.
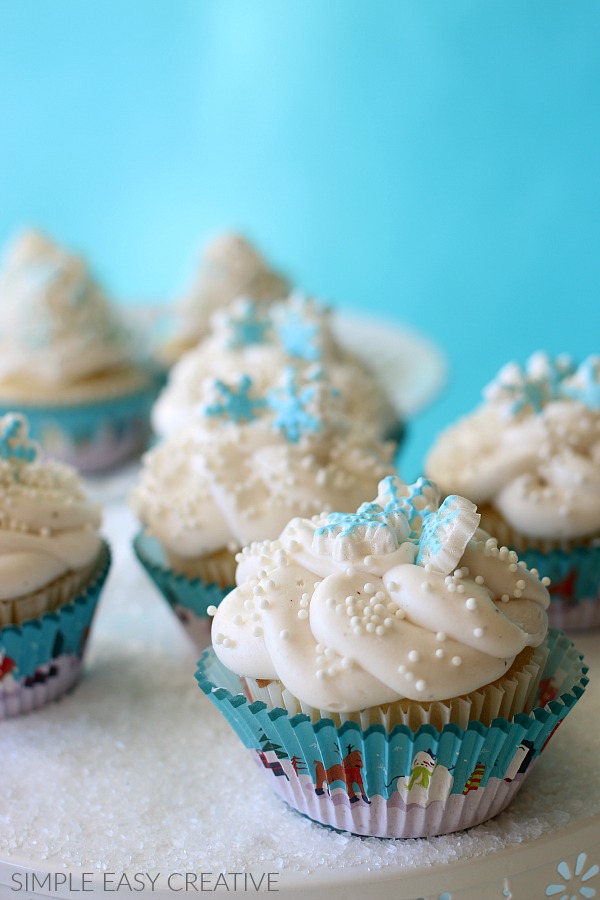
(261, 342)
(57, 327)
(47, 525)
(230, 267)
(406, 598)
(249, 457)
(532, 450)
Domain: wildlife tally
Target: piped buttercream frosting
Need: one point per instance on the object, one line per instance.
(406, 598)
(532, 449)
(48, 527)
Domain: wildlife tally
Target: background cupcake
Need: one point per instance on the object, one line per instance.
(52, 568)
(240, 468)
(67, 361)
(415, 649)
(529, 457)
(230, 267)
(262, 342)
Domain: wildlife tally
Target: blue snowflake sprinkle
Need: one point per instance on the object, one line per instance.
(586, 384)
(15, 445)
(247, 328)
(290, 405)
(237, 406)
(299, 335)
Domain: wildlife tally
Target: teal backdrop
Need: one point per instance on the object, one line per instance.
(432, 162)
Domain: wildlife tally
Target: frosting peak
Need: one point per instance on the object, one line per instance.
(53, 310)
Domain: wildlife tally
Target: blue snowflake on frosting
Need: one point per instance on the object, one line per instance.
(534, 387)
(15, 445)
(420, 498)
(585, 386)
(291, 407)
(248, 327)
(368, 515)
(299, 335)
(235, 405)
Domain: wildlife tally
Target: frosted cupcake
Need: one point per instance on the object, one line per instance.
(230, 267)
(66, 361)
(261, 342)
(387, 665)
(53, 564)
(237, 472)
(529, 457)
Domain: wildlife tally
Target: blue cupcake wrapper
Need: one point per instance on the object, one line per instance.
(40, 658)
(400, 783)
(91, 435)
(574, 584)
(189, 598)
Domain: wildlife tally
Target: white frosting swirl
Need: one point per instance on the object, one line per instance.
(403, 600)
(532, 450)
(230, 267)
(241, 467)
(48, 527)
(57, 327)
(261, 342)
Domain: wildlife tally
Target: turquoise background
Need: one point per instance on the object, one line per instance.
(431, 162)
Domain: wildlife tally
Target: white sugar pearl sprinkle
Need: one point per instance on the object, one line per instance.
(471, 603)
(369, 588)
(441, 636)
(456, 661)
(284, 635)
(478, 632)
(479, 579)
(440, 653)
(414, 655)
(302, 614)
(421, 685)
(211, 610)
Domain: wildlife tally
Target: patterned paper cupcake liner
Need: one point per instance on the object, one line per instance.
(398, 783)
(574, 584)
(189, 598)
(40, 660)
(92, 435)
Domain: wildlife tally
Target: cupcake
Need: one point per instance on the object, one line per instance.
(529, 457)
(53, 564)
(66, 361)
(387, 665)
(230, 267)
(236, 472)
(263, 341)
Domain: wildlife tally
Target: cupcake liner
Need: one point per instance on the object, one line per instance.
(219, 567)
(574, 584)
(91, 435)
(189, 598)
(399, 782)
(515, 692)
(41, 659)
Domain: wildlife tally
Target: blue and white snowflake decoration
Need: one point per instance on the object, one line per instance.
(565, 890)
(298, 333)
(15, 445)
(530, 388)
(584, 385)
(245, 326)
(235, 405)
(412, 500)
(291, 407)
